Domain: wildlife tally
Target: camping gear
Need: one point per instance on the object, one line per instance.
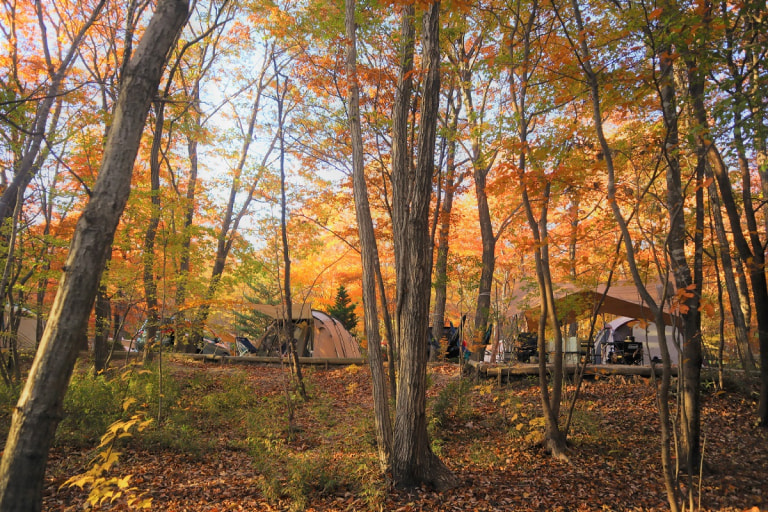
(453, 334)
(627, 340)
(526, 346)
(574, 302)
(315, 333)
(214, 347)
(244, 346)
(626, 351)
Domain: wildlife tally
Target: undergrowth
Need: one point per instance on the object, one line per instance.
(324, 454)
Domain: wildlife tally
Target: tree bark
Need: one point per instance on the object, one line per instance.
(39, 409)
(734, 298)
(444, 230)
(554, 438)
(488, 258)
(150, 235)
(413, 461)
(288, 325)
(706, 151)
(402, 167)
(103, 313)
(756, 265)
(369, 254)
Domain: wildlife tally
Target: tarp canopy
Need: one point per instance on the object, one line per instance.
(572, 302)
(298, 311)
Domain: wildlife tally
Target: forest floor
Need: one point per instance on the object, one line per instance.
(255, 457)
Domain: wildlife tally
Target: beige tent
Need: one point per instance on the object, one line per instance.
(319, 335)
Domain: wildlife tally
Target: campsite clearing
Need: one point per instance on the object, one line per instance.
(236, 450)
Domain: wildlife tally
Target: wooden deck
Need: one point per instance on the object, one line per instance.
(506, 371)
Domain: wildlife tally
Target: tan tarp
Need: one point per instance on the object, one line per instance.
(298, 311)
(621, 299)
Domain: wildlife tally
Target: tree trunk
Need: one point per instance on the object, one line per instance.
(692, 351)
(554, 438)
(39, 409)
(444, 231)
(150, 235)
(288, 326)
(413, 461)
(488, 264)
(103, 313)
(189, 211)
(734, 298)
(368, 250)
(402, 175)
(393, 354)
(756, 266)
(231, 218)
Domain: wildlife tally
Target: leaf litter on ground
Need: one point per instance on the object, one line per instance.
(486, 434)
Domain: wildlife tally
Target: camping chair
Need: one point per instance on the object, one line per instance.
(244, 346)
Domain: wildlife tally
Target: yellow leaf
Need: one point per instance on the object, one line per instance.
(123, 483)
(128, 403)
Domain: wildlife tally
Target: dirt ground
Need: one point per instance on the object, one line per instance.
(489, 442)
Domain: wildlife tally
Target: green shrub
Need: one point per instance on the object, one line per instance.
(452, 402)
(9, 397)
(91, 404)
(177, 435)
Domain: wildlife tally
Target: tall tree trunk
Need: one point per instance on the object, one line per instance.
(554, 437)
(369, 253)
(482, 162)
(755, 55)
(488, 259)
(573, 239)
(402, 167)
(692, 283)
(584, 55)
(188, 208)
(444, 230)
(731, 285)
(150, 235)
(521, 75)
(750, 248)
(393, 355)
(751, 252)
(231, 218)
(413, 461)
(39, 409)
(288, 325)
(103, 313)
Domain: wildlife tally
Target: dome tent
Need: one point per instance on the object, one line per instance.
(643, 332)
(317, 334)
